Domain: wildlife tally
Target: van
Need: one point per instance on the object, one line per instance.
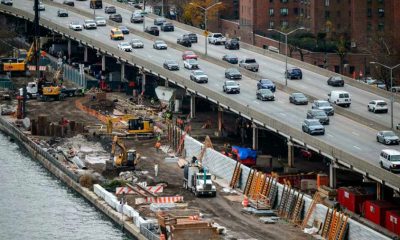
(116, 34)
(273, 49)
(390, 159)
(340, 98)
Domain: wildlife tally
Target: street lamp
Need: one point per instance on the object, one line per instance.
(391, 86)
(205, 20)
(286, 48)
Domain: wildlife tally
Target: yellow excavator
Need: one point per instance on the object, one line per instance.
(18, 64)
(133, 125)
(126, 158)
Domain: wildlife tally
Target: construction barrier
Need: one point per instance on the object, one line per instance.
(90, 111)
(126, 190)
(173, 199)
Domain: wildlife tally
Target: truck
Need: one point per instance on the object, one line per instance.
(96, 4)
(216, 39)
(198, 180)
(249, 64)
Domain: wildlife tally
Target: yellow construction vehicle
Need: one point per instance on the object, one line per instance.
(17, 64)
(126, 158)
(133, 125)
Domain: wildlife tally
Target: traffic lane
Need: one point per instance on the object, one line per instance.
(281, 111)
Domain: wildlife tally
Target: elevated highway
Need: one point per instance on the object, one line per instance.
(346, 142)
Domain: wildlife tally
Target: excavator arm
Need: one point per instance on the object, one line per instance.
(121, 158)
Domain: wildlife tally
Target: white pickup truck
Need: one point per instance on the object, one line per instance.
(216, 39)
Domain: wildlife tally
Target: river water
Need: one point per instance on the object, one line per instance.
(36, 205)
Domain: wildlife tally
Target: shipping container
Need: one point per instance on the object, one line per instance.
(322, 180)
(392, 221)
(353, 198)
(375, 210)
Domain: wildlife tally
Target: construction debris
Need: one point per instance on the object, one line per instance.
(269, 220)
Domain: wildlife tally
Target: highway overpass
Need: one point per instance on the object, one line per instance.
(346, 141)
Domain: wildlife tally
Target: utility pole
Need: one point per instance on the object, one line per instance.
(37, 38)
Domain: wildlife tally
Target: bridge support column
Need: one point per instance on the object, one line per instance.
(332, 175)
(290, 154)
(143, 82)
(220, 120)
(103, 63)
(69, 50)
(192, 106)
(379, 192)
(255, 137)
(85, 54)
(26, 26)
(123, 72)
(166, 83)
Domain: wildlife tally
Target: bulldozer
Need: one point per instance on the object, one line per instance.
(134, 125)
(127, 158)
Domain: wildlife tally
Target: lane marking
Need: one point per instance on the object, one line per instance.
(329, 135)
(355, 133)
(357, 147)
(256, 102)
(283, 114)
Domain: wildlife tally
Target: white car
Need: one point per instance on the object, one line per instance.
(125, 46)
(378, 106)
(136, 43)
(199, 76)
(100, 21)
(89, 24)
(191, 64)
(160, 44)
(76, 26)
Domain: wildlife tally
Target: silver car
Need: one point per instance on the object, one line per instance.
(323, 105)
(100, 21)
(387, 137)
(136, 43)
(313, 126)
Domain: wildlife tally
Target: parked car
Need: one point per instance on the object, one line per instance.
(265, 94)
(249, 64)
(153, 30)
(336, 81)
(7, 2)
(40, 7)
(137, 18)
(69, 3)
(159, 21)
(116, 18)
(266, 83)
(216, 38)
(340, 98)
(62, 13)
(125, 46)
(318, 114)
(100, 21)
(171, 65)
(192, 37)
(298, 99)
(75, 25)
(380, 84)
(184, 41)
(189, 55)
(395, 89)
(160, 44)
(294, 73)
(110, 10)
(89, 24)
(378, 106)
(313, 126)
(199, 76)
(124, 29)
(191, 64)
(387, 137)
(230, 58)
(323, 105)
(136, 43)
(232, 44)
(233, 73)
(390, 159)
(231, 87)
(167, 27)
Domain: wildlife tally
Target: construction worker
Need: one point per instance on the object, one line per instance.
(155, 169)
(158, 146)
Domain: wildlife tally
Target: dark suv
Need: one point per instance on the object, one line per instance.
(110, 10)
(116, 18)
(318, 114)
(336, 81)
(232, 44)
(167, 27)
(184, 41)
(153, 30)
(294, 73)
(266, 84)
(192, 37)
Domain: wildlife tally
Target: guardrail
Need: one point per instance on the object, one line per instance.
(353, 162)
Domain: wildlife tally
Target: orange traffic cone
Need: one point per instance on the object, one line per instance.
(245, 201)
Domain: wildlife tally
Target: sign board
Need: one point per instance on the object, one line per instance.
(206, 33)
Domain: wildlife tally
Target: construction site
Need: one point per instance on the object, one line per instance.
(162, 170)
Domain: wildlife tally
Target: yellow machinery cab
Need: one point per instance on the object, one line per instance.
(140, 125)
(116, 34)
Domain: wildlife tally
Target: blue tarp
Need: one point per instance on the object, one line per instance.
(245, 153)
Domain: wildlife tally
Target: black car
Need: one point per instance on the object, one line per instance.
(153, 30)
(137, 18)
(62, 13)
(336, 81)
(318, 114)
(116, 18)
(232, 44)
(167, 27)
(171, 65)
(267, 84)
(232, 73)
(294, 73)
(265, 95)
(192, 37)
(298, 99)
(124, 29)
(184, 41)
(7, 2)
(69, 3)
(110, 10)
(230, 58)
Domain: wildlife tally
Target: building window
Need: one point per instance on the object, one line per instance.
(338, 26)
(369, 1)
(271, 24)
(327, 14)
(296, 11)
(271, 12)
(326, 3)
(369, 27)
(369, 12)
(380, 1)
(284, 24)
(284, 11)
(284, 1)
(381, 12)
(381, 26)
(301, 12)
(338, 13)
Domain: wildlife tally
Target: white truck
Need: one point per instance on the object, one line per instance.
(198, 181)
(31, 90)
(216, 39)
